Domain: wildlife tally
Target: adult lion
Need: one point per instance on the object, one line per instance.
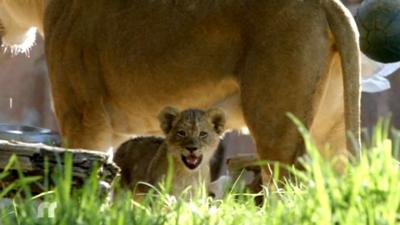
(114, 64)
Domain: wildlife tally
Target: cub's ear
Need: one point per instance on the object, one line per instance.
(167, 117)
(218, 118)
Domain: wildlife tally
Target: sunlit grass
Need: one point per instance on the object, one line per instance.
(368, 192)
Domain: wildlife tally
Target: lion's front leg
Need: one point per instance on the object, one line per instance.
(87, 127)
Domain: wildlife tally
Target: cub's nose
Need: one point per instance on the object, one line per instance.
(191, 148)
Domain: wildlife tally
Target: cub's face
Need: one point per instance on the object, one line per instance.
(192, 136)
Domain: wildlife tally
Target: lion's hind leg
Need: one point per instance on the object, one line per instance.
(281, 75)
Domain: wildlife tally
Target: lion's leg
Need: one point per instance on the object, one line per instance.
(278, 79)
(87, 128)
(328, 128)
(275, 135)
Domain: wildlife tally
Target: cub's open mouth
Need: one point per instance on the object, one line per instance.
(192, 161)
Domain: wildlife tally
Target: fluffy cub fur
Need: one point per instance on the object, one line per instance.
(191, 138)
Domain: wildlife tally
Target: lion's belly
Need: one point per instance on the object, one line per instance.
(188, 63)
(134, 109)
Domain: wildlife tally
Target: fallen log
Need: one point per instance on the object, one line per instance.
(32, 160)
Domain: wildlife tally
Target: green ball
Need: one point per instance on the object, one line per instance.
(379, 24)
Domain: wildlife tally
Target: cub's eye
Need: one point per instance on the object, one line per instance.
(181, 133)
(203, 134)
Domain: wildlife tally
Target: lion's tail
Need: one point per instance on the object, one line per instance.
(345, 33)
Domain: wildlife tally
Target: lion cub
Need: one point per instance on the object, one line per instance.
(191, 138)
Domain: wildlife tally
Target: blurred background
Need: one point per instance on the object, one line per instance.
(25, 92)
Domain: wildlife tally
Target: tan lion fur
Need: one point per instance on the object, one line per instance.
(17, 17)
(114, 64)
(145, 159)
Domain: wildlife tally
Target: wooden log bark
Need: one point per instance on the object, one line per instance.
(32, 159)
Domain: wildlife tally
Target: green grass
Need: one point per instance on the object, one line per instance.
(368, 192)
